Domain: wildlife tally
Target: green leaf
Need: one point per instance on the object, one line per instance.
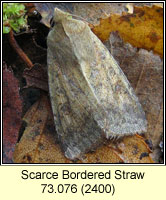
(6, 29)
(13, 14)
(21, 21)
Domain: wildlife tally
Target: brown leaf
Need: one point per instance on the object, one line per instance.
(143, 28)
(90, 12)
(12, 110)
(39, 144)
(36, 77)
(140, 26)
(30, 142)
(135, 150)
(144, 70)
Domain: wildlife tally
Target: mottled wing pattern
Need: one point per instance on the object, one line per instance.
(90, 95)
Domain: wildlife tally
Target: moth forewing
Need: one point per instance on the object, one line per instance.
(89, 92)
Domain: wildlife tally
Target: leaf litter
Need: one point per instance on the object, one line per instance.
(134, 82)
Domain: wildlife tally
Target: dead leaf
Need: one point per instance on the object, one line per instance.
(143, 28)
(36, 77)
(90, 12)
(12, 110)
(39, 143)
(135, 150)
(144, 71)
(140, 26)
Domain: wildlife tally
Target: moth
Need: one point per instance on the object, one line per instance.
(91, 97)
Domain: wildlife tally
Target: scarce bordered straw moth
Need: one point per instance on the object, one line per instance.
(90, 95)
